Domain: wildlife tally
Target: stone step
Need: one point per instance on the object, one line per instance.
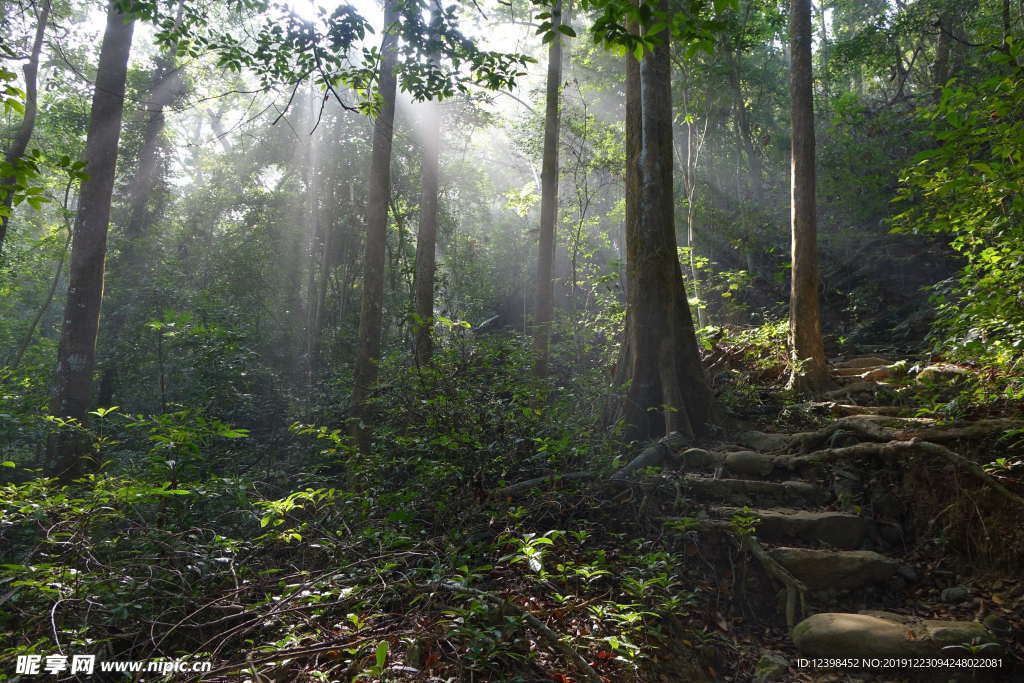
(870, 634)
(744, 464)
(781, 525)
(861, 362)
(750, 492)
(858, 387)
(836, 569)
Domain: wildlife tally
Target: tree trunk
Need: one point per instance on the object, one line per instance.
(426, 236)
(548, 201)
(77, 352)
(746, 134)
(126, 276)
(667, 388)
(371, 308)
(315, 239)
(28, 122)
(810, 373)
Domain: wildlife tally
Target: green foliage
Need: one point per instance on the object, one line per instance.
(287, 49)
(968, 188)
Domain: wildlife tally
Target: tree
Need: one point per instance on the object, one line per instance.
(371, 308)
(126, 269)
(810, 372)
(426, 235)
(667, 388)
(28, 121)
(76, 355)
(426, 232)
(549, 199)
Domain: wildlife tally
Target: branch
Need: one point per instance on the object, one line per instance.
(549, 479)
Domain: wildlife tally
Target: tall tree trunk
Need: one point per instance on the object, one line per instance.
(76, 355)
(810, 372)
(426, 236)
(746, 133)
(823, 47)
(126, 274)
(940, 68)
(667, 388)
(315, 240)
(548, 201)
(371, 308)
(28, 122)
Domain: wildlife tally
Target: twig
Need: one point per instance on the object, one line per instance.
(584, 669)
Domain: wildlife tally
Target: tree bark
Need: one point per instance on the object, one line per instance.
(940, 68)
(371, 308)
(549, 201)
(76, 355)
(810, 372)
(426, 236)
(28, 122)
(667, 388)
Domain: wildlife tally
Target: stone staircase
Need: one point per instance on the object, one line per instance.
(809, 526)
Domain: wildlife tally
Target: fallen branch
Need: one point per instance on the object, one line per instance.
(296, 652)
(546, 480)
(583, 668)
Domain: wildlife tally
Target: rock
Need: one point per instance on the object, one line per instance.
(908, 573)
(842, 570)
(880, 634)
(863, 362)
(831, 528)
(955, 594)
(700, 459)
(998, 625)
(941, 373)
(885, 372)
(744, 491)
(750, 463)
(761, 441)
(771, 667)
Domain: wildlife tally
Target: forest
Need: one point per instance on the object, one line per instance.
(508, 340)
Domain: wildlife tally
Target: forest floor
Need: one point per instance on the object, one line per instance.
(857, 511)
(672, 562)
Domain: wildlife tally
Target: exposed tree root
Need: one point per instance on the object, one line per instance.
(652, 456)
(796, 590)
(903, 448)
(975, 430)
(886, 428)
(849, 410)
